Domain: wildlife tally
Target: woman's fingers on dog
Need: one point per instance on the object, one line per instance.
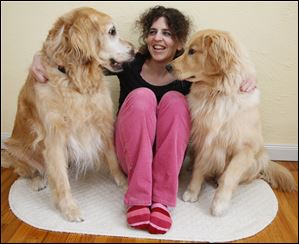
(248, 85)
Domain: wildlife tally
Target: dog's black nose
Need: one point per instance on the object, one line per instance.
(169, 68)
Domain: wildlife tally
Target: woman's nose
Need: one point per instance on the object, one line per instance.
(158, 36)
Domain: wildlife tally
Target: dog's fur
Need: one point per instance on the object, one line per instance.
(68, 121)
(226, 128)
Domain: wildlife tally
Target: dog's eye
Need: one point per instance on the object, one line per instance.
(191, 51)
(112, 31)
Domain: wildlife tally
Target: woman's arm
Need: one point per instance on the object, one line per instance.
(38, 69)
(248, 85)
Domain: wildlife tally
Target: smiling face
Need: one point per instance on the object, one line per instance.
(160, 41)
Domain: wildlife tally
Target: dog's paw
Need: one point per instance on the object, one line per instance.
(190, 197)
(73, 214)
(121, 180)
(38, 183)
(69, 210)
(219, 208)
(124, 187)
(5, 162)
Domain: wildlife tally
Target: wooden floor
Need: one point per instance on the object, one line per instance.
(283, 229)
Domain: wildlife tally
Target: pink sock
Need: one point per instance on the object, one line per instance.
(138, 217)
(160, 219)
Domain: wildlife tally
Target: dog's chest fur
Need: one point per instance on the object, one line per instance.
(221, 117)
(80, 118)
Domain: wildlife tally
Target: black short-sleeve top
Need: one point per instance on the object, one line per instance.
(131, 79)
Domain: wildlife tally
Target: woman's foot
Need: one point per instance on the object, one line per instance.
(160, 219)
(138, 217)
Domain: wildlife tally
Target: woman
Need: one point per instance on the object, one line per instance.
(153, 123)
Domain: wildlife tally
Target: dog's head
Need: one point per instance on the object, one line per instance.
(84, 36)
(208, 55)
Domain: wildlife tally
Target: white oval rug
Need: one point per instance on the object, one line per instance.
(252, 208)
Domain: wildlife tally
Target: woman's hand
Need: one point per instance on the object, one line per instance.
(38, 69)
(248, 85)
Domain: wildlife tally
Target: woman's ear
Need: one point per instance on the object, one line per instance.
(179, 49)
(180, 46)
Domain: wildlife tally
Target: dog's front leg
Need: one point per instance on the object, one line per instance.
(56, 163)
(114, 167)
(230, 179)
(193, 189)
(197, 178)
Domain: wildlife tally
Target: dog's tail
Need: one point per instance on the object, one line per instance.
(278, 177)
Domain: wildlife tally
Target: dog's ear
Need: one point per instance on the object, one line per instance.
(221, 51)
(71, 40)
(207, 40)
(55, 45)
(83, 37)
(211, 64)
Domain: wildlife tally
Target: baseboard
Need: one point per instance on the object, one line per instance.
(282, 152)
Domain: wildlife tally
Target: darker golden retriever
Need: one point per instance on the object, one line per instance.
(227, 138)
(68, 121)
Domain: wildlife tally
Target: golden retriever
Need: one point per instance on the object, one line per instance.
(226, 128)
(67, 123)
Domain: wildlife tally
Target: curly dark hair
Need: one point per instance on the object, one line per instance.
(178, 24)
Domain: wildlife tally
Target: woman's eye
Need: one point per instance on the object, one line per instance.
(112, 31)
(167, 33)
(152, 32)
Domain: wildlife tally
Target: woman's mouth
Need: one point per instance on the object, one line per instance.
(158, 47)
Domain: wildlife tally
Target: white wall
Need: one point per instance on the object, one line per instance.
(268, 29)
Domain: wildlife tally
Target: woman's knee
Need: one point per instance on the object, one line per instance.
(174, 101)
(141, 100)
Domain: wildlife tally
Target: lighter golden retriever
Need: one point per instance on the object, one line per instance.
(67, 123)
(226, 127)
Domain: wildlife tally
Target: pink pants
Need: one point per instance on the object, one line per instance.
(151, 140)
